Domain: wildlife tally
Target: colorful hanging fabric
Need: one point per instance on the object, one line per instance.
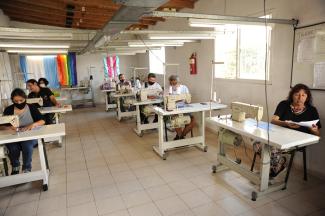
(23, 66)
(111, 66)
(50, 68)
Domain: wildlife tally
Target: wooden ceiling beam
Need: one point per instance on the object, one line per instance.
(161, 19)
(137, 26)
(94, 3)
(54, 22)
(23, 7)
(147, 22)
(42, 14)
(30, 16)
(178, 4)
(60, 5)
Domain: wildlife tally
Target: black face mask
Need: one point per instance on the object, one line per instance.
(151, 83)
(122, 81)
(20, 106)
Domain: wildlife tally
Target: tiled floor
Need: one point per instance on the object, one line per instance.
(105, 169)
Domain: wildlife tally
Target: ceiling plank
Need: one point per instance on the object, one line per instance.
(178, 4)
(41, 15)
(39, 9)
(52, 22)
(60, 5)
(161, 19)
(147, 22)
(94, 3)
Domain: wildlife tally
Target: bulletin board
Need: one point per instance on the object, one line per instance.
(308, 62)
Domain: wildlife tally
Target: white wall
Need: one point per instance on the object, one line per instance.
(307, 11)
(4, 20)
(96, 60)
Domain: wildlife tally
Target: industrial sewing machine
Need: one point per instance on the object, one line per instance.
(38, 101)
(124, 89)
(144, 93)
(241, 111)
(170, 101)
(109, 84)
(14, 121)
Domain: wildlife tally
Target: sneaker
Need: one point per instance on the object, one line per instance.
(15, 170)
(26, 171)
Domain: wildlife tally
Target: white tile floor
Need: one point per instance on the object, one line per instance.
(105, 169)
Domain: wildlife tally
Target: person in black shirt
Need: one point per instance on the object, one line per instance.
(46, 94)
(298, 107)
(42, 82)
(29, 118)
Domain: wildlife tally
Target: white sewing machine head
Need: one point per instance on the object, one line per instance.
(171, 100)
(124, 89)
(10, 119)
(240, 111)
(38, 101)
(144, 93)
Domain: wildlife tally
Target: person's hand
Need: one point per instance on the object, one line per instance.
(314, 129)
(28, 127)
(58, 105)
(292, 125)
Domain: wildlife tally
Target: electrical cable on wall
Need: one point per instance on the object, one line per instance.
(265, 68)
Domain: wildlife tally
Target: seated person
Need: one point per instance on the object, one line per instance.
(29, 118)
(123, 82)
(177, 88)
(152, 85)
(298, 107)
(46, 94)
(43, 83)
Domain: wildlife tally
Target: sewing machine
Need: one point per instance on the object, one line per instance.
(124, 89)
(38, 101)
(144, 93)
(171, 100)
(241, 111)
(10, 119)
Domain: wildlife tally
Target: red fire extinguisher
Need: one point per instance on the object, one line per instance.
(193, 69)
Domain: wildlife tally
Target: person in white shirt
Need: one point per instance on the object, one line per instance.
(152, 85)
(174, 89)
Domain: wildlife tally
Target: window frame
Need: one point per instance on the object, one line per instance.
(238, 42)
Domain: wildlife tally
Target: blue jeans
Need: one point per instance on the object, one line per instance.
(27, 150)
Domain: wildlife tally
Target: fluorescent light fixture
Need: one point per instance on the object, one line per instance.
(34, 46)
(37, 51)
(210, 23)
(154, 44)
(197, 36)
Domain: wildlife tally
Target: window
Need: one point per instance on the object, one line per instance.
(157, 61)
(241, 48)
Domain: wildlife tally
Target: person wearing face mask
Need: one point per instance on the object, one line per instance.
(122, 81)
(29, 118)
(46, 94)
(152, 85)
(174, 89)
(42, 82)
(296, 108)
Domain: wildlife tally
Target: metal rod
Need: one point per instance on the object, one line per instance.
(221, 17)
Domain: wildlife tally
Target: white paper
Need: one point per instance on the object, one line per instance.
(319, 75)
(305, 123)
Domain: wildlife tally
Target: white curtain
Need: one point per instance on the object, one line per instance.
(5, 80)
(35, 67)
